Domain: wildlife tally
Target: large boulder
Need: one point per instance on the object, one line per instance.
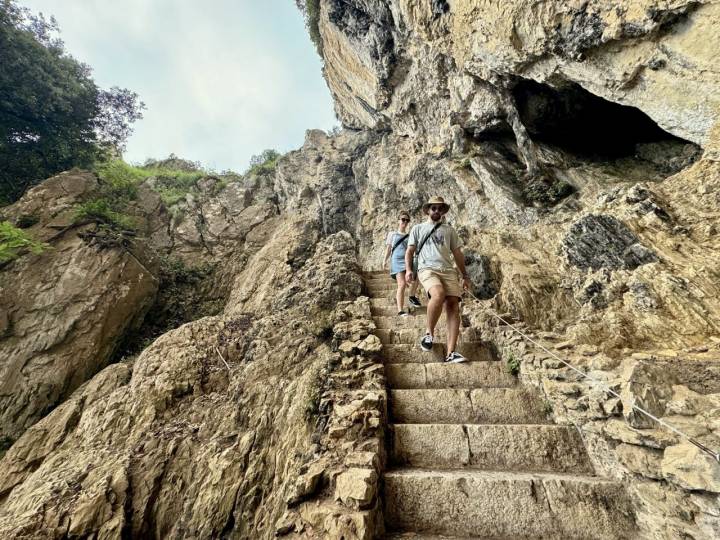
(64, 309)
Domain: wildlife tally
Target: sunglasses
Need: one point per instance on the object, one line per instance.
(405, 220)
(436, 208)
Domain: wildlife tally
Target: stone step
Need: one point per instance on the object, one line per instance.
(475, 351)
(389, 291)
(370, 273)
(504, 504)
(441, 375)
(391, 310)
(415, 320)
(392, 336)
(381, 284)
(480, 406)
(522, 447)
(415, 536)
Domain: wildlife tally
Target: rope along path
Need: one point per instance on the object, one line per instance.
(599, 383)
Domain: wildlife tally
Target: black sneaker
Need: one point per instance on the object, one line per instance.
(414, 301)
(403, 314)
(426, 343)
(455, 358)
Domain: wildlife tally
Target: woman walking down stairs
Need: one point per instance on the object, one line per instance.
(472, 453)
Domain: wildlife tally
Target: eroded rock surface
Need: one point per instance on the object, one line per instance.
(66, 309)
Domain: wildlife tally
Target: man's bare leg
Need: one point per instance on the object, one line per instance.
(452, 312)
(400, 295)
(434, 307)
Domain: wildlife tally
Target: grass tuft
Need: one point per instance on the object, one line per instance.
(15, 242)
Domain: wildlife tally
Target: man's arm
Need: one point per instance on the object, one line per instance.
(460, 262)
(409, 252)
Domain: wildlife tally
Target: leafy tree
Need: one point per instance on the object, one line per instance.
(52, 114)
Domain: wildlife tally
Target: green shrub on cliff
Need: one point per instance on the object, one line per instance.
(14, 242)
(105, 210)
(313, 23)
(311, 10)
(118, 189)
(119, 184)
(264, 163)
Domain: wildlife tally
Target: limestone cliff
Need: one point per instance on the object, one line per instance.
(578, 145)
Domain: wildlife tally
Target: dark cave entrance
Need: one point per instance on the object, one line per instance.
(584, 124)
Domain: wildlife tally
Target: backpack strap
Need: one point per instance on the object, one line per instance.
(421, 245)
(400, 241)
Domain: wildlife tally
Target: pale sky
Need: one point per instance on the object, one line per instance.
(222, 79)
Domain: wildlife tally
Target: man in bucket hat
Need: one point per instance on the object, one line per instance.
(437, 246)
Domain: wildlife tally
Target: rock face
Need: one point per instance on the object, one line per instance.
(424, 67)
(577, 144)
(596, 242)
(66, 309)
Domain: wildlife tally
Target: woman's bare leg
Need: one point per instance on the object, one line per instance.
(400, 295)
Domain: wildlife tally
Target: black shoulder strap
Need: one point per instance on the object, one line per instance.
(420, 246)
(400, 241)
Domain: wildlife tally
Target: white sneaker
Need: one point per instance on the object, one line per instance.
(455, 358)
(426, 343)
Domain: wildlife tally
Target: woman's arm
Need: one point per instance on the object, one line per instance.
(388, 248)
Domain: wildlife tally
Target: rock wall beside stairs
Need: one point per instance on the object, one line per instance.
(674, 486)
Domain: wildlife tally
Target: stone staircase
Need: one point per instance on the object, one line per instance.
(472, 453)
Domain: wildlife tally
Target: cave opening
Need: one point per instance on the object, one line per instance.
(570, 117)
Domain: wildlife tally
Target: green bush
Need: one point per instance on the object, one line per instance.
(14, 242)
(264, 163)
(103, 210)
(313, 24)
(173, 186)
(512, 363)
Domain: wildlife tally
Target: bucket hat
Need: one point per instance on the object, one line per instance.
(436, 200)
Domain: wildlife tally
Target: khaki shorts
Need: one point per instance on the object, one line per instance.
(449, 280)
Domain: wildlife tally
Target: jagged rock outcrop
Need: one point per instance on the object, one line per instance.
(130, 453)
(423, 68)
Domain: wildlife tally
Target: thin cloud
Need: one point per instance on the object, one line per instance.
(222, 80)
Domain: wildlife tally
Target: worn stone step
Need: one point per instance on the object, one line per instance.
(415, 320)
(389, 302)
(380, 284)
(515, 405)
(415, 536)
(391, 311)
(521, 447)
(475, 351)
(412, 335)
(389, 289)
(441, 375)
(504, 504)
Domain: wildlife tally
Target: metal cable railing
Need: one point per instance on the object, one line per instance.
(599, 383)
